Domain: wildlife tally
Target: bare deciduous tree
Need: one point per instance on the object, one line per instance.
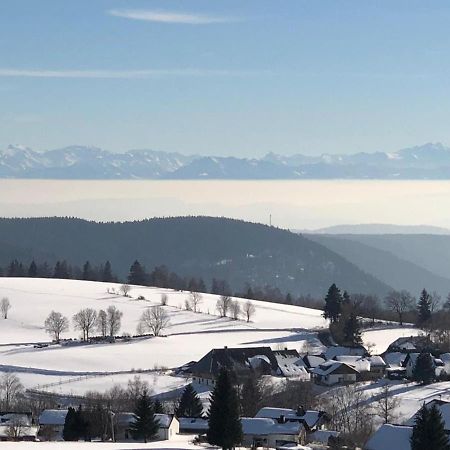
(55, 324)
(16, 426)
(385, 404)
(125, 289)
(249, 310)
(5, 306)
(196, 300)
(223, 305)
(10, 387)
(235, 310)
(114, 319)
(400, 302)
(155, 319)
(164, 299)
(102, 323)
(85, 320)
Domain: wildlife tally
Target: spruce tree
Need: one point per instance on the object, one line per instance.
(424, 370)
(107, 272)
(333, 302)
(32, 270)
(190, 404)
(224, 424)
(424, 308)
(137, 274)
(145, 426)
(69, 430)
(251, 397)
(159, 408)
(87, 271)
(352, 330)
(429, 431)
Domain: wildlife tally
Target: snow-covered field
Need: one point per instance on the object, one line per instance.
(379, 339)
(182, 442)
(189, 336)
(75, 369)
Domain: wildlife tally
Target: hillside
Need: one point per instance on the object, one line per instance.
(237, 251)
(385, 263)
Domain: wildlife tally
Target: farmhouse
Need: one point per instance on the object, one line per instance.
(334, 372)
(311, 420)
(17, 426)
(51, 424)
(390, 436)
(269, 433)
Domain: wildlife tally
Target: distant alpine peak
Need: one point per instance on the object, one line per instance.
(427, 161)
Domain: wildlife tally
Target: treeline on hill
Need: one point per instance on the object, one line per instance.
(240, 252)
(160, 277)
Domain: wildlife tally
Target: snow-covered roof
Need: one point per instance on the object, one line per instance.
(193, 423)
(359, 363)
(23, 418)
(53, 417)
(291, 366)
(310, 417)
(444, 408)
(394, 359)
(164, 420)
(331, 366)
(313, 360)
(376, 361)
(390, 436)
(340, 350)
(261, 426)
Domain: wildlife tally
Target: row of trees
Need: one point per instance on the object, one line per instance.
(87, 320)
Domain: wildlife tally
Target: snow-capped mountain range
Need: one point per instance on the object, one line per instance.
(429, 161)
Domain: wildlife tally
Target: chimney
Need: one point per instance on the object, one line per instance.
(225, 347)
(281, 419)
(300, 411)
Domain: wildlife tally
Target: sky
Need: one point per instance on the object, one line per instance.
(225, 77)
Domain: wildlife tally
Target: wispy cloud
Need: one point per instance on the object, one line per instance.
(122, 74)
(170, 17)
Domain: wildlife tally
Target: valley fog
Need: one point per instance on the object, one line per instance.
(292, 204)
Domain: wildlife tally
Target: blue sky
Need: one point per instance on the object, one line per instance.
(225, 77)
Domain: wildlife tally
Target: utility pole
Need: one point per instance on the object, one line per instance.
(270, 219)
(111, 414)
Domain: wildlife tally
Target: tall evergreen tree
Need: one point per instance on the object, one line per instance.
(87, 271)
(251, 397)
(107, 272)
(190, 404)
(429, 430)
(424, 308)
(352, 330)
(224, 424)
(145, 426)
(158, 406)
(32, 270)
(137, 274)
(69, 430)
(333, 302)
(424, 370)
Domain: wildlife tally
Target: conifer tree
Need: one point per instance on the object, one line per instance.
(251, 397)
(137, 274)
(87, 271)
(190, 404)
(159, 408)
(424, 370)
(145, 426)
(424, 308)
(352, 330)
(107, 272)
(32, 270)
(333, 302)
(429, 430)
(69, 430)
(224, 424)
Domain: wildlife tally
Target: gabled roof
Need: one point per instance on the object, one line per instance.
(234, 359)
(359, 363)
(53, 417)
(444, 408)
(340, 350)
(309, 417)
(265, 427)
(312, 361)
(394, 359)
(193, 423)
(335, 367)
(390, 436)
